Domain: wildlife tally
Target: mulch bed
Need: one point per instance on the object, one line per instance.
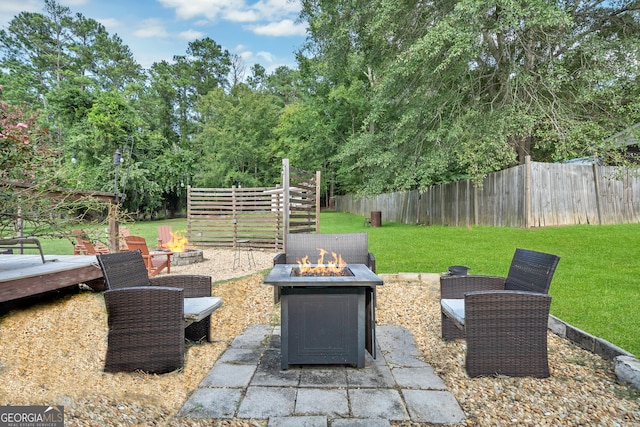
(53, 354)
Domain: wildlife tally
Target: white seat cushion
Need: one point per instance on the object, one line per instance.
(196, 309)
(454, 308)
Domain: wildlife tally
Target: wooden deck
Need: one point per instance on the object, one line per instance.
(26, 275)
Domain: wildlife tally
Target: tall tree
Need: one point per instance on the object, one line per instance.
(35, 44)
(210, 65)
(237, 138)
(473, 87)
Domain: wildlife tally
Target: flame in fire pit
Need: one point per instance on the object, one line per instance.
(334, 267)
(178, 242)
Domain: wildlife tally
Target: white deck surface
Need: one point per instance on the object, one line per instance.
(14, 267)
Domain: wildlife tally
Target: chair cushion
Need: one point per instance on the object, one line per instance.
(196, 309)
(453, 308)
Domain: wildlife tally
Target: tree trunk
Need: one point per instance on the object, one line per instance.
(522, 147)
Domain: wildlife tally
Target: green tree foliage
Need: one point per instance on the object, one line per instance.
(30, 170)
(236, 138)
(472, 87)
(388, 95)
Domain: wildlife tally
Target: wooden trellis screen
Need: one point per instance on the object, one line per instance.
(221, 217)
(302, 195)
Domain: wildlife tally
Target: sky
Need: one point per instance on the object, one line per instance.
(266, 32)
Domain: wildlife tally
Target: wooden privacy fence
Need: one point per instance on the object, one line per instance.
(530, 195)
(258, 217)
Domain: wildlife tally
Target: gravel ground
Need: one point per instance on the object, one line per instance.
(53, 354)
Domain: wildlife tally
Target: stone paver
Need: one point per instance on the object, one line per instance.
(378, 403)
(437, 407)
(267, 402)
(229, 375)
(247, 382)
(420, 378)
(329, 402)
(360, 422)
(305, 421)
(199, 404)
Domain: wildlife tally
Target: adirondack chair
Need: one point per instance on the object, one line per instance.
(84, 245)
(123, 232)
(155, 261)
(164, 236)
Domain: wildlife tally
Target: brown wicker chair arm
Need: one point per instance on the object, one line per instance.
(144, 296)
(457, 286)
(193, 285)
(519, 299)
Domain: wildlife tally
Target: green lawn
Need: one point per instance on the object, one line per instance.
(596, 286)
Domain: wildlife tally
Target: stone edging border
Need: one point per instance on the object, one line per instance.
(626, 365)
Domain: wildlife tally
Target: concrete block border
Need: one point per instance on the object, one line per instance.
(626, 365)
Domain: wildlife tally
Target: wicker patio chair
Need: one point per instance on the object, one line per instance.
(146, 329)
(127, 270)
(503, 319)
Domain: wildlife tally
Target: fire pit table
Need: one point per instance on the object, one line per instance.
(326, 319)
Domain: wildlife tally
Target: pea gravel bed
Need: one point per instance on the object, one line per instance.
(53, 354)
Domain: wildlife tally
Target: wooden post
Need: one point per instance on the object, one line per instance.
(476, 214)
(189, 229)
(596, 184)
(527, 192)
(114, 231)
(285, 199)
(234, 215)
(318, 201)
(468, 204)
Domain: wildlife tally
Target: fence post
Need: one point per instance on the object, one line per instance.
(234, 217)
(318, 177)
(527, 192)
(285, 198)
(596, 184)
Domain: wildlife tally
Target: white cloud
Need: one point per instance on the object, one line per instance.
(286, 27)
(187, 9)
(110, 24)
(151, 28)
(267, 56)
(10, 9)
(72, 3)
(190, 35)
(277, 9)
(241, 16)
(278, 15)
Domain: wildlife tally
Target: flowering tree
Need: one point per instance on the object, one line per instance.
(28, 173)
(26, 155)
